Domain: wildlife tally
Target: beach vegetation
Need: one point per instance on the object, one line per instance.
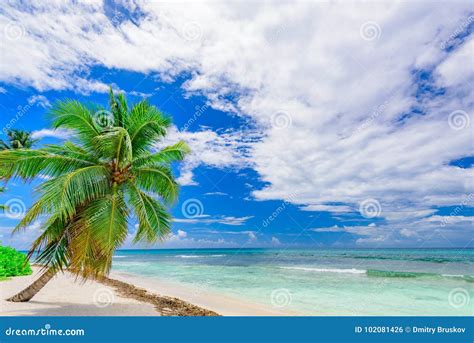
(13, 263)
(17, 139)
(114, 168)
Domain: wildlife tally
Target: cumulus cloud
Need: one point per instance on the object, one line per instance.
(216, 149)
(341, 116)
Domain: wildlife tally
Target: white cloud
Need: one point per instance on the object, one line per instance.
(275, 241)
(182, 234)
(58, 133)
(449, 71)
(328, 208)
(437, 231)
(450, 219)
(219, 150)
(204, 219)
(345, 98)
(139, 94)
(216, 193)
(40, 100)
(334, 228)
(22, 239)
(252, 236)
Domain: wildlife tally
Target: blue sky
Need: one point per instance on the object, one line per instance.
(312, 125)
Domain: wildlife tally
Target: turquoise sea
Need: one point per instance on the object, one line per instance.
(321, 282)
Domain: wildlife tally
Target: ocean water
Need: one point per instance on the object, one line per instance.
(321, 282)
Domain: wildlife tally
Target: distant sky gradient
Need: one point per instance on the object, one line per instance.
(312, 124)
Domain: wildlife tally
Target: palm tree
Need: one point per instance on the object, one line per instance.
(17, 139)
(2, 207)
(95, 183)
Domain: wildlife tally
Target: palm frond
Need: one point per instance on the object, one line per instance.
(75, 116)
(115, 145)
(154, 221)
(28, 164)
(64, 194)
(146, 125)
(158, 180)
(175, 152)
(52, 245)
(94, 183)
(107, 219)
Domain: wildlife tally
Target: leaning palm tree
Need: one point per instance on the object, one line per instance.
(17, 139)
(95, 182)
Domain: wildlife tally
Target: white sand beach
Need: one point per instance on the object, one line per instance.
(224, 305)
(66, 296)
(63, 296)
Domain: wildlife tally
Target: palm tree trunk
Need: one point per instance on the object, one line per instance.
(30, 291)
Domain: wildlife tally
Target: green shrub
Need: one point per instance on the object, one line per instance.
(12, 263)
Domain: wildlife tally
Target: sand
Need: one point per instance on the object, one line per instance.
(63, 296)
(121, 295)
(224, 305)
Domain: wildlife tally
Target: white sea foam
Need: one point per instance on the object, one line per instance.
(197, 256)
(328, 270)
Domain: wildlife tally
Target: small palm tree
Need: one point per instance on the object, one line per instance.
(2, 207)
(95, 183)
(17, 139)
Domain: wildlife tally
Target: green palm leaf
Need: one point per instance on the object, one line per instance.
(158, 180)
(96, 181)
(175, 152)
(146, 125)
(153, 219)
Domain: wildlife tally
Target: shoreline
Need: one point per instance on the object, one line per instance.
(165, 305)
(223, 304)
(122, 294)
(66, 295)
